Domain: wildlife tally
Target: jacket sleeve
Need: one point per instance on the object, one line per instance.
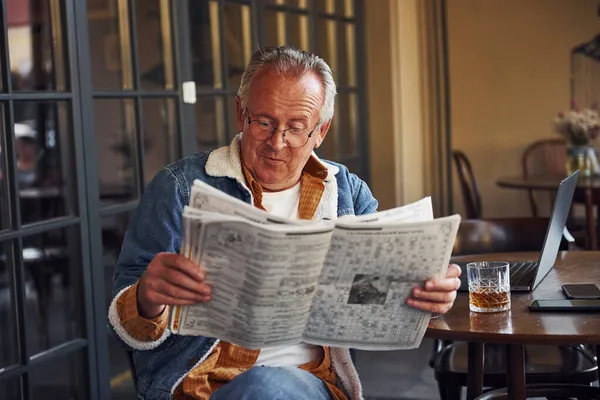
(364, 202)
(138, 327)
(155, 228)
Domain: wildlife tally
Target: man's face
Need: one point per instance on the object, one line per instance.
(26, 153)
(286, 102)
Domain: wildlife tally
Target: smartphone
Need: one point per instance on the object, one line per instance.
(565, 305)
(582, 291)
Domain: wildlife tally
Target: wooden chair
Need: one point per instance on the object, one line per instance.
(579, 392)
(468, 185)
(545, 364)
(546, 156)
(502, 235)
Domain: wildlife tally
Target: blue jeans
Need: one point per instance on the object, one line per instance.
(273, 383)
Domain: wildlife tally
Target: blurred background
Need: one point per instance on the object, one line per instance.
(92, 106)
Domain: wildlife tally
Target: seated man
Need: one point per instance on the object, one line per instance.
(27, 154)
(285, 106)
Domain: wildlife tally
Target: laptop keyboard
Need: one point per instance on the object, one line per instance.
(522, 272)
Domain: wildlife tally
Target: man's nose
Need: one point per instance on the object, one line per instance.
(277, 140)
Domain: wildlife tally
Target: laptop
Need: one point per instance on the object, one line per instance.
(525, 276)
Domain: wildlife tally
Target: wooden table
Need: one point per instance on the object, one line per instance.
(519, 326)
(587, 187)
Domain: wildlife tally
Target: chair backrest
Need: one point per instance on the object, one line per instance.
(546, 156)
(549, 390)
(468, 184)
(501, 235)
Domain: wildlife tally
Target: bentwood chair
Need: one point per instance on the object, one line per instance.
(468, 185)
(546, 156)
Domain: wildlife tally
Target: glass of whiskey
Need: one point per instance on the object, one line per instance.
(489, 286)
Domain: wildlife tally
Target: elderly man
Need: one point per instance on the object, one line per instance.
(284, 109)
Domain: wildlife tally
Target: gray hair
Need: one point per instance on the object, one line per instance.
(288, 60)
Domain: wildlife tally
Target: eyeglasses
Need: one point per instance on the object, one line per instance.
(262, 130)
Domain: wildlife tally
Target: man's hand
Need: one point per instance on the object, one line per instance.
(171, 279)
(437, 296)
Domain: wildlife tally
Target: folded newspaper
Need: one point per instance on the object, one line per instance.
(340, 283)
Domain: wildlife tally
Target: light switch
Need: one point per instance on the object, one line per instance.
(189, 92)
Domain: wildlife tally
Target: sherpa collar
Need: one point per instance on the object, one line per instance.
(227, 162)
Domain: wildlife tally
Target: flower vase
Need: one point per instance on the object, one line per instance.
(582, 158)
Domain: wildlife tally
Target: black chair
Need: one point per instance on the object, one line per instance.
(549, 156)
(579, 392)
(543, 156)
(468, 185)
(472, 198)
(502, 235)
(544, 364)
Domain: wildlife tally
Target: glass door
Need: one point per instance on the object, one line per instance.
(135, 116)
(225, 33)
(45, 283)
(91, 108)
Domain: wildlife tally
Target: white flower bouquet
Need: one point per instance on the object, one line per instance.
(578, 127)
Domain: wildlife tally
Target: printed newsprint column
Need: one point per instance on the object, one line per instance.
(368, 275)
(263, 282)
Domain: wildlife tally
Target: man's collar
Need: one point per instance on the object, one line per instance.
(313, 168)
(227, 161)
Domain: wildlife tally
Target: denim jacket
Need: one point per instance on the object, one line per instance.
(156, 227)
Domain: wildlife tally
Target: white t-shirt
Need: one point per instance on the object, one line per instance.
(285, 204)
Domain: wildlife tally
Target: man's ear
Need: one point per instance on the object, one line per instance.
(321, 133)
(239, 113)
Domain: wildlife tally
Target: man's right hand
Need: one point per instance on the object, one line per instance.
(171, 279)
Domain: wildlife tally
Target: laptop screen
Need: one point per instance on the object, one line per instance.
(558, 219)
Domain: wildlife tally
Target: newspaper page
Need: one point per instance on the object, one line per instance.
(421, 210)
(369, 272)
(263, 279)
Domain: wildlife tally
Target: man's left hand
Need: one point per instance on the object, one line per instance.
(437, 295)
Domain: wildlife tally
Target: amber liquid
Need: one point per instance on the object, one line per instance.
(485, 298)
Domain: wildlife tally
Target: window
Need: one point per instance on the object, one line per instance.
(224, 34)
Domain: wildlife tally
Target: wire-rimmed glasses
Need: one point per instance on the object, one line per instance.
(263, 129)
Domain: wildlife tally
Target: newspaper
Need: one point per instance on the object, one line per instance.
(338, 283)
